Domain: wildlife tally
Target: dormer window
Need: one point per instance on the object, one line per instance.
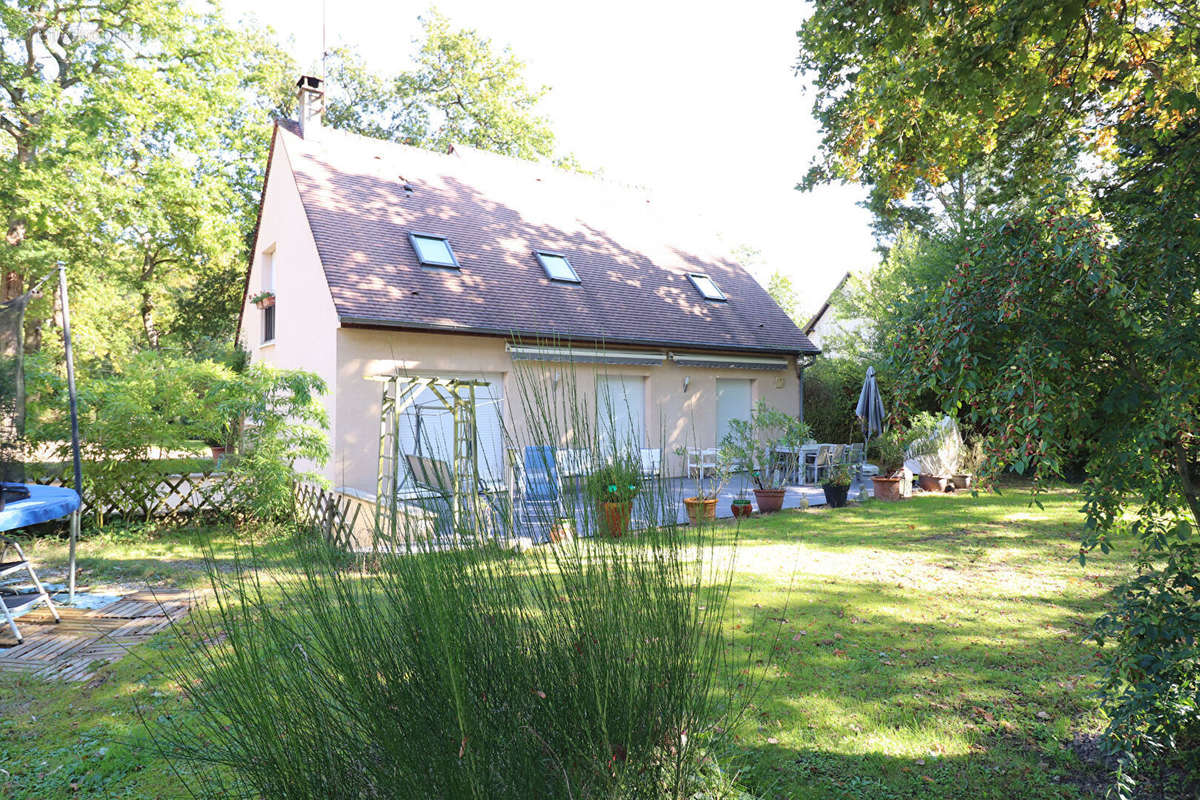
(557, 267)
(433, 251)
(707, 287)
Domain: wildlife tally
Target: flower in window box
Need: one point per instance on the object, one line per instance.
(263, 299)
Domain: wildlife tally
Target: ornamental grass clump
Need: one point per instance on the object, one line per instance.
(596, 668)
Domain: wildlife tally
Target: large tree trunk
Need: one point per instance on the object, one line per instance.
(1187, 465)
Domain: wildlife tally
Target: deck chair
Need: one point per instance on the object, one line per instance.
(12, 561)
(541, 486)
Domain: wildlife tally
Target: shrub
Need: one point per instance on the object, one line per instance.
(618, 481)
(752, 443)
(831, 388)
(131, 414)
(585, 670)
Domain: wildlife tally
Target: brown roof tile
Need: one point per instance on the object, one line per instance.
(631, 256)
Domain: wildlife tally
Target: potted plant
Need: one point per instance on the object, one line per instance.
(891, 448)
(263, 299)
(703, 506)
(613, 487)
(934, 445)
(970, 462)
(753, 444)
(837, 484)
(741, 505)
(563, 530)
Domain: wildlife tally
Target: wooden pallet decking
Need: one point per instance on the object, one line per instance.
(86, 640)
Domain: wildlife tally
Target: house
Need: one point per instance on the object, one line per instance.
(385, 258)
(829, 328)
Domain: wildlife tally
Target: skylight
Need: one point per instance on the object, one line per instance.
(557, 267)
(706, 286)
(433, 251)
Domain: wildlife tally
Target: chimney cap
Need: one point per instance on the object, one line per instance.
(309, 82)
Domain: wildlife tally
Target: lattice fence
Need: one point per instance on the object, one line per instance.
(164, 496)
(334, 515)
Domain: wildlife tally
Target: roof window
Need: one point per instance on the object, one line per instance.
(557, 267)
(433, 251)
(706, 286)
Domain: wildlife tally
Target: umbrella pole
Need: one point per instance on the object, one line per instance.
(76, 464)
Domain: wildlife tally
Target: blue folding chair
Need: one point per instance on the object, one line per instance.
(541, 487)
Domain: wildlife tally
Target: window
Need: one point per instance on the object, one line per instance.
(706, 286)
(621, 412)
(268, 285)
(557, 267)
(433, 251)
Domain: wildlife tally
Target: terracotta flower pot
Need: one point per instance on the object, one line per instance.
(769, 500)
(265, 302)
(962, 480)
(741, 510)
(932, 483)
(700, 510)
(887, 489)
(563, 530)
(614, 518)
(218, 452)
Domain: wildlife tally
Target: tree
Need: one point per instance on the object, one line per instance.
(1073, 319)
(783, 292)
(124, 130)
(460, 91)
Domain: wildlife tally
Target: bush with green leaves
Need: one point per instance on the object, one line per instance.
(155, 403)
(831, 389)
(753, 443)
(587, 670)
(617, 481)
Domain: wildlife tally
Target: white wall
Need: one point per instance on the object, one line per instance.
(305, 320)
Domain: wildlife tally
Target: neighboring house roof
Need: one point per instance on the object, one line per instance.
(824, 309)
(364, 197)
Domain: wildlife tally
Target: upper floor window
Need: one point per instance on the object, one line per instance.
(706, 286)
(433, 251)
(266, 296)
(557, 267)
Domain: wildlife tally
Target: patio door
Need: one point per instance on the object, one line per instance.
(621, 412)
(734, 400)
(427, 429)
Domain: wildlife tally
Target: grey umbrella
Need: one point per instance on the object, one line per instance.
(870, 408)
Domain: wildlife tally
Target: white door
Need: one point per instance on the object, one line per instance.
(427, 429)
(733, 402)
(621, 411)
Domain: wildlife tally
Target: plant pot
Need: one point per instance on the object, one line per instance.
(835, 496)
(962, 480)
(741, 509)
(218, 452)
(769, 500)
(887, 489)
(700, 510)
(932, 483)
(265, 302)
(563, 530)
(614, 518)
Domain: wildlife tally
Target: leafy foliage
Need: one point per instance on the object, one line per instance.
(752, 443)
(617, 480)
(1070, 325)
(831, 389)
(593, 669)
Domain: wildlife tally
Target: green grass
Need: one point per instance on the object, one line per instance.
(928, 649)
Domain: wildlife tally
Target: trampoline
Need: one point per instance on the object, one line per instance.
(23, 504)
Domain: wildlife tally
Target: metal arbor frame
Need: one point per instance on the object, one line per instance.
(458, 397)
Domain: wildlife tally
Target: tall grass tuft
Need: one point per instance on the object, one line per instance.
(592, 668)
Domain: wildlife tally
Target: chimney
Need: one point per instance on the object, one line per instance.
(310, 103)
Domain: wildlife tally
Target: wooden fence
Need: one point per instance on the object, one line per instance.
(334, 515)
(146, 497)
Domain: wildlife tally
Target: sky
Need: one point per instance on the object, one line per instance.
(698, 102)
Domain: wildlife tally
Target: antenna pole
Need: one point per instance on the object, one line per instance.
(71, 397)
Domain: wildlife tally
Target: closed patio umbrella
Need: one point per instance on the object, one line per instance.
(870, 408)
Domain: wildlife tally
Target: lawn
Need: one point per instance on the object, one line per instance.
(929, 649)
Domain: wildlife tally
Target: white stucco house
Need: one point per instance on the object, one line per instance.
(380, 257)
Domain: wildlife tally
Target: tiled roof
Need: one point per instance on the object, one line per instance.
(632, 258)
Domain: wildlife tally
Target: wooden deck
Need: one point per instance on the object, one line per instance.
(86, 640)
